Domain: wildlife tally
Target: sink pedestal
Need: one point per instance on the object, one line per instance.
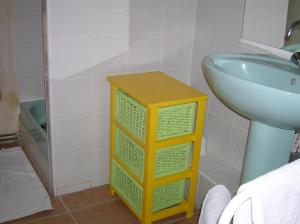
(267, 149)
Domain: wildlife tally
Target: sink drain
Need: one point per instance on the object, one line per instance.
(293, 81)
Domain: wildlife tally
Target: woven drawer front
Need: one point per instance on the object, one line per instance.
(131, 114)
(173, 159)
(129, 152)
(173, 121)
(169, 160)
(127, 187)
(168, 195)
(163, 197)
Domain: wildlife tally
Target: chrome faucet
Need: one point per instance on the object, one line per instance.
(296, 58)
(291, 29)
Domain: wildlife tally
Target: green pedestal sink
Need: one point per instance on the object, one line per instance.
(266, 90)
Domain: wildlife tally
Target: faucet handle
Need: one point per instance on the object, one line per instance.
(296, 58)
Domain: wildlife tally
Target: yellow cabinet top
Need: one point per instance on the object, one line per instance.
(154, 87)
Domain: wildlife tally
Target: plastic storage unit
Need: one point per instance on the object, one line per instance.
(155, 140)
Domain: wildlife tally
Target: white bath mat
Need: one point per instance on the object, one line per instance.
(21, 191)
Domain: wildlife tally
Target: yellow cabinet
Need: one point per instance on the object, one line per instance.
(156, 128)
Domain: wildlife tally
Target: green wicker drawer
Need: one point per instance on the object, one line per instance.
(168, 195)
(169, 160)
(173, 159)
(163, 197)
(173, 121)
(131, 114)
(126, 186)
(129, 152)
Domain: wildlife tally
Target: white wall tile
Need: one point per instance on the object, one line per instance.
(218, 108)
(218, 30)
(99, 182)
(71, 135)
(100, 130)
(241, 122)
(179, 15)
(109, 53)
(100, 94)
(211, 161)
(68, 17)
(100, 163)
(72, 169)
(203, 45)
(70, 97)
(109, 16)
(114, 65)
(144, 52)
(198, 81)
(230, 20)
(217, 135)
(69, 57)
(26, 7)
(237, 147)
(182, 75)
(115, 36)
(207, 17)
(226, 175)
(177, 50)
(146, 16)
(72, 189)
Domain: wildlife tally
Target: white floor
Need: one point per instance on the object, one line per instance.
(21, 191)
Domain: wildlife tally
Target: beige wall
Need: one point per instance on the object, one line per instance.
(9, 101)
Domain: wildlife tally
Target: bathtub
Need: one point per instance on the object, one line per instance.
(34, 140)
(34, 119)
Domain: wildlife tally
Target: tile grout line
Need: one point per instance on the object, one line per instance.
(95, 204)
(42, 218)
(68, 210)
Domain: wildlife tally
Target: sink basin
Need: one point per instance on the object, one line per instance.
(261, 87)
(266, 90)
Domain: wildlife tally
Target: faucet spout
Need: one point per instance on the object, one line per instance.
(296, 58)
(291, 29)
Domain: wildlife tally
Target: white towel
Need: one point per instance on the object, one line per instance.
(21, 191)
(215, 201)
(273, 198)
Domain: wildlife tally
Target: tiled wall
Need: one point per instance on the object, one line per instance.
(218, 30)
(143, 34)
(26, 17)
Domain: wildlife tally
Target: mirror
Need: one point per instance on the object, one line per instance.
(267, 22)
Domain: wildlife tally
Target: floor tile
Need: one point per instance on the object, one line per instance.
(193, 220)
(58, 209)
(88, 197)
(179, 218)
(113, 212)
(171, 219)
(62, 219)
